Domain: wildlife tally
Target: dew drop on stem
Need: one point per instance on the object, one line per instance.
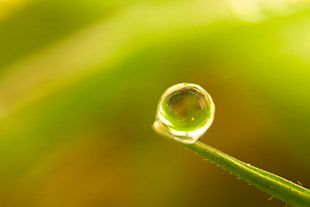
(185, 112)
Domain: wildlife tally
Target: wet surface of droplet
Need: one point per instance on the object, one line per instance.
(185, 111)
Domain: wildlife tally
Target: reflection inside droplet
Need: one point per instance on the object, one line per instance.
(185, 111)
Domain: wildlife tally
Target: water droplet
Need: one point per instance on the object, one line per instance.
(185, 112)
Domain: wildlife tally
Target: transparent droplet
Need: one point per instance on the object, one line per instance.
(185, 112)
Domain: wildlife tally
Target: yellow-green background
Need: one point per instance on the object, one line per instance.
(80, 81)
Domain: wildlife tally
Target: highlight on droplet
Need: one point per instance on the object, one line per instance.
(185, 111)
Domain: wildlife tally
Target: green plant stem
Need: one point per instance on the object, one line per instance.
(278, 187)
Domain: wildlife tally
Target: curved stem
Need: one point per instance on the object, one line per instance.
(276, 186)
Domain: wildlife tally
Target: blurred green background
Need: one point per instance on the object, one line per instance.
(80, 81)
